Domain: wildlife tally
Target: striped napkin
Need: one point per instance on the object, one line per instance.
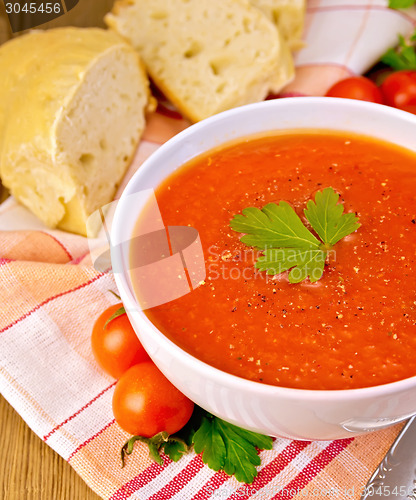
(51, 295)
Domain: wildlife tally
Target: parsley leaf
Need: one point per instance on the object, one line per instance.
(223, 446)
(285, 240)
(403, 57)
(305, 263)
(327, 218)
(401, 4)
(209, 442)
(227, 447)
(273, 226)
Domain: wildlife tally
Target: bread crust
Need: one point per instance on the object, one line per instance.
(71, 115)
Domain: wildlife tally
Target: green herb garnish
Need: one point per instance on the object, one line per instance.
(402, 57)
(229, 448)
(285, 241)
(223, 446)
(401, 4)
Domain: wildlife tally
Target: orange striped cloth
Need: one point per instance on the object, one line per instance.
(51, 295)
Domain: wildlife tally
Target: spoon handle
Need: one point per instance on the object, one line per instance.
(395, 477)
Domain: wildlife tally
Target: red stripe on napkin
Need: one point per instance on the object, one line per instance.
(178, 482)
(140, 480)
(53, 297)
(314, 467)
(270, 471)
(47, 436)
(213, 484)
(70, 257)
(90, 439)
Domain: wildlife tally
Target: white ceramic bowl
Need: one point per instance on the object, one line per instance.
(276, 411)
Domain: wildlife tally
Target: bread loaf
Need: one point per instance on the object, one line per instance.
(205, 55)
(288, 16)
(72, 109)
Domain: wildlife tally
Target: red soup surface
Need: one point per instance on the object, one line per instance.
(356, 326)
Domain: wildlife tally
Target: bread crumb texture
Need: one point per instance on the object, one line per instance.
(72, 110)
(288, 16)
(208, 55)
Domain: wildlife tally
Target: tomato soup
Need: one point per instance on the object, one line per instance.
(356, 326)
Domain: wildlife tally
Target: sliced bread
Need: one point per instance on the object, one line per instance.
(288, 16)
(205, 55)
(72, 110)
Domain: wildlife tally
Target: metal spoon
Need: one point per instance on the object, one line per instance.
(395, 477)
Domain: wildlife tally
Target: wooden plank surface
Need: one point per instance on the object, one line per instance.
(29, 469)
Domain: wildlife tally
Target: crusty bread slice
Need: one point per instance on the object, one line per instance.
(205, 55)
(288, 16)
(72, 110)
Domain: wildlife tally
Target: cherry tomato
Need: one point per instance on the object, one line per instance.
(146, 403)
(356, 87)
(116, 347)
(399, 90)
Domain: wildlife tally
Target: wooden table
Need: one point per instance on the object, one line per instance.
(29, 469)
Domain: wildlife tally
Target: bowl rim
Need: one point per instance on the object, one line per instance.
(209, 371)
